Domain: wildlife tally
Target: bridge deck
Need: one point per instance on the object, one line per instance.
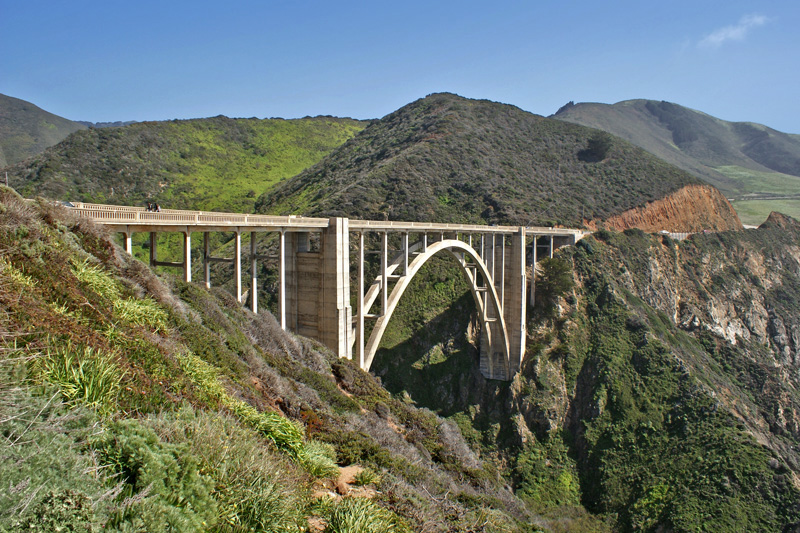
(138, 219)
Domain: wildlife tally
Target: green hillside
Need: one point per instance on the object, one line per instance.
(217, 163)
(750, 163)
(448, 158)
(26, 130)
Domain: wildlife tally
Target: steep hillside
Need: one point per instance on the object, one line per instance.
(447, 158)
(212, 164)
(746, 161)
(134, 403)
(26, 130)
(672, 376)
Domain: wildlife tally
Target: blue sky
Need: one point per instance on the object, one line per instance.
(158, 60)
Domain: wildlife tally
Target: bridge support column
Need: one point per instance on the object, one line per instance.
(253, 273)
(237, 265)
(128, 242)
(153, 248)
(515, 304)
(206, 261)
(282, 279)
(302, 283)
(335, 312)
(360, 340)
(187, 256)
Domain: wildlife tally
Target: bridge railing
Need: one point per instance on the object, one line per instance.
(120, 215)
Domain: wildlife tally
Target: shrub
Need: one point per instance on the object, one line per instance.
(319, 459)
(64, 510)
(83, 375)
(96, 279)
(554, 282)
(15, 274)
(256, 489)
(143, 312)
(285, 434)
(47, 478)
(360, 515)
(163, 488)
(366, 477)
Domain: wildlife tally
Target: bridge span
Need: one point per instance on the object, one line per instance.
(318, 257)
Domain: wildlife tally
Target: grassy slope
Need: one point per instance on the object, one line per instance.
(448, 158)
(210, 164)
(741, 159)
(186, 398)
(26, 130)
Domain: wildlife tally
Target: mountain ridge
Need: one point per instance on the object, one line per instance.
(745, 160)
(217, 163)
(442, 156)
(26, 130)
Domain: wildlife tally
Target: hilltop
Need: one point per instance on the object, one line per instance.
(26, 130)
(212, 164)
(757, 166)
(448, 158)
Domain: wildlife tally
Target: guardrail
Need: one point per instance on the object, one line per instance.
(122, 215)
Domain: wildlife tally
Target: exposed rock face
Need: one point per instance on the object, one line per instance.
(691, 209)
(738, 291)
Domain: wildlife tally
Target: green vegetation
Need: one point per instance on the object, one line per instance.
(214, 164)
(82, 376)
(359, 514)
(755, 212)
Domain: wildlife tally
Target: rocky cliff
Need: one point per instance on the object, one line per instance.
(671, 375)
(693, 208)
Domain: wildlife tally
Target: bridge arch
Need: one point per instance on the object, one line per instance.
(494, 330)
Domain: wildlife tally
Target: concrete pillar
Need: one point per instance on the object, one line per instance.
(533, 273)
(384, 276)
(237, 265)
(336, 316)
(206, 261)
(128, 242)
(360, 300)
(282, 279)
(153, 250)
(405, 253)
(290, 284)
(187, 256)
(515, 305)
(253, 273)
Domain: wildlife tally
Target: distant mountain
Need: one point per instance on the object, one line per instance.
(448, 158)
(215, 163)
(746, 161)
(116, 124)
(26, 130)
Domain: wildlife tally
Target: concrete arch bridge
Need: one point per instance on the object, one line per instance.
(318, 256)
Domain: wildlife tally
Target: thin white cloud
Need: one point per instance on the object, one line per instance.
(736, 32)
